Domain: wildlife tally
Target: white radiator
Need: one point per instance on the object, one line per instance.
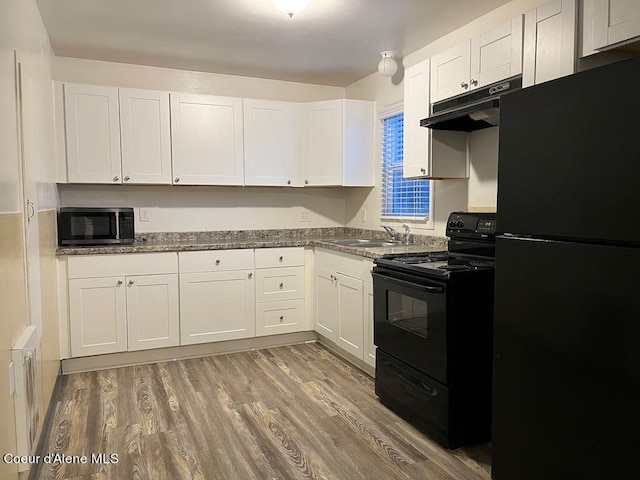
(26, 393)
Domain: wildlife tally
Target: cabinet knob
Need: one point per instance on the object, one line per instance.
(217, 262)
(250, 275)
(281, 318)
(306, 182)
(119, 282)
(126, 179)
(464, 85)
(281, 286)
(176, 180)
(281, 258)
(474, 82)
(288, 182)
(423, 171)
(130, 282)
(116, 178)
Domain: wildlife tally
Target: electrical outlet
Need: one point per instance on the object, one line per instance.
(363, 215)
(305, 215)
(144, 215)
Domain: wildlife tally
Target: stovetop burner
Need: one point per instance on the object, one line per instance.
(443, 264)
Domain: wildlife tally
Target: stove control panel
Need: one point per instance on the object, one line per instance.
(471, 225)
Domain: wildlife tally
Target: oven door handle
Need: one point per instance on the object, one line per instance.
(411, 284)
(429, 390)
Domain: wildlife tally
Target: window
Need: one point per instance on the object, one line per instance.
(402, 198)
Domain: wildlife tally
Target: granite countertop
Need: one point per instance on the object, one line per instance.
(194, 241)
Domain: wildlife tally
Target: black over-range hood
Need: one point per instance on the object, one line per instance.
(471, 111)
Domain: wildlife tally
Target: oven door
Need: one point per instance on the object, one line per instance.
(410, 320)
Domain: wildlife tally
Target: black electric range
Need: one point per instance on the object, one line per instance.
(433, 317)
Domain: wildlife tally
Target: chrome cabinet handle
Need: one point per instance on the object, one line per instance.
(288, 182)
(130, 282)
(250, 275)
(464, 85)
(119, 282)
(217, 262)
(306, 182)
(281, 318)
(116, 178)
(423, 171)
(474, 82)
(176, 180)
(281, 286)
(281, 258)
(126, 179)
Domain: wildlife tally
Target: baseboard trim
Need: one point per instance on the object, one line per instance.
(126, 359)
(43, 441)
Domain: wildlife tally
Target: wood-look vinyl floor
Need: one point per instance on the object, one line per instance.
(282, 413)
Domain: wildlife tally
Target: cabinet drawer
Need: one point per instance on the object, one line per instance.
(279, 257)
(215, 260)
(120, 265)
(279, 284)
(350, 265)
(279, 317)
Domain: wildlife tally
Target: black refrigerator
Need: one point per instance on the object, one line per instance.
(567, 296)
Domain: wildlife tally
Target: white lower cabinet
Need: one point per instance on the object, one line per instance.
(216, 305)
(120, 303)
(279, 290)
(339, 300)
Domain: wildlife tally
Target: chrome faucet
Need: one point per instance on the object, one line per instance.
(392, 233)
(407, 232)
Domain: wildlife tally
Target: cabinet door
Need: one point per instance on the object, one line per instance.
(145, 134)
(369, 346)
(450, 72)
(93, 134)
(325, 295)
(206, 136)
(416, 107)
(216, 306)
(271, 143)
(152, 311)
(322, 143)
(615, 21)
(97, 316)
(549, 49)
(350, 315)
(497, 54)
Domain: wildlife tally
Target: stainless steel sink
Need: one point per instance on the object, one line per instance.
(362, 242)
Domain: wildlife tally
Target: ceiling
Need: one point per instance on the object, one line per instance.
(332, 42)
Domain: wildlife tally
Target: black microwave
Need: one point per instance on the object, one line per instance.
(95, 226)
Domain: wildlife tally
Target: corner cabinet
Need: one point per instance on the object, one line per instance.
(117, 135)
(429, 153)
(217, 296)
(207, 140)
(550, 42)
(338, 143)
(272, 134)
(488, 58)
(120, 303)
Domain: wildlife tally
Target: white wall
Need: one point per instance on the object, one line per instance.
(192, 208)
(449, 195)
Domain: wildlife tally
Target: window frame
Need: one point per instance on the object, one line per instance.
(426, 223)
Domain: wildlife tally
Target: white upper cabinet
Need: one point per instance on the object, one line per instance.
(429, 153)
(615, 21)
(207, 144)
(92, 134)
(337, 142)
(549, 49)
(272, 134)
(145, 134)
(488, 58)
(117, 135)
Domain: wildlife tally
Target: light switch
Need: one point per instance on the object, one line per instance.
(144, 215)
(305, 215)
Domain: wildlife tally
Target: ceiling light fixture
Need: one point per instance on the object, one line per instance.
(291, 7)
(387, 66)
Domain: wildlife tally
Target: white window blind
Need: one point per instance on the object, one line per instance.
(401, 198)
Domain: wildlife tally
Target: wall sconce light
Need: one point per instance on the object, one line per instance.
(387, 66)
(291, 7)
